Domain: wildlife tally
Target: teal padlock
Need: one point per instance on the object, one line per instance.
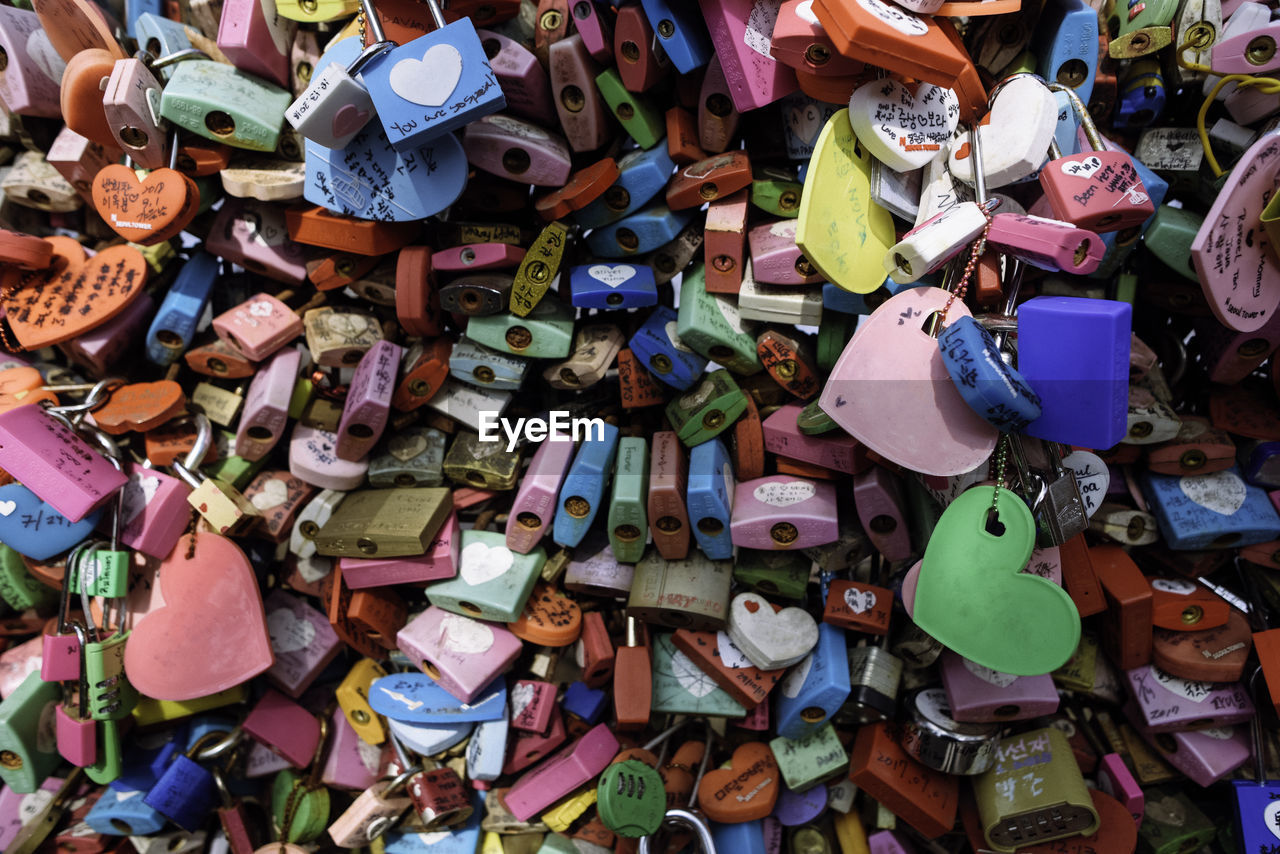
(28, 752)
(222, 103)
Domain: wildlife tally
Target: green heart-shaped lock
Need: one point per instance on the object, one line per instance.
(303, 809)
(973, 597)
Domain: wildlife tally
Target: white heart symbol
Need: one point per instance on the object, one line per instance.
(431, 80)
(406, 446)
(138, 493)
(780, 494)
(903, 131)
(1271, 818)
(262, 308)
(991, 677)
(465, 636)
(288, 633)
(730, 655)
(1222, 492)
(7, 507)
(1082, 168)
(805, 13)
(481, 562)
(674, 337)
(1187, 689)
(1092, 477)
(521, 697)
(859, 601)
(690, 676)
(274, 493)
(806, 121)
(611, 275)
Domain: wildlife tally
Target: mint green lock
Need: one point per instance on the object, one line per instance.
(707, 409)
(776, 191)
(230, 469)
(18, 588)
(28, 751)
(639, 118)
(680, 687)
(628, 513)
(547, 333)
(781, 574)
(712, 327)
(815, 758)
(493, 582)
(222, 103)
(1169, 238)
(110, 759)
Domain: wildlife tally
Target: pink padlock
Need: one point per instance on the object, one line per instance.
(302, 640)
(836, 450)
(462, 654)
(1206, 755)
(254, 235)
(979, 694)
(126, 101)
(57, 465)
(783, 512)
(526, 748)
(477, 258)
(30, 83)
(1115, 778)
(284, 727)
(517, 150)
(439, 562)
(757, 720)
(888, 842)
(535, 503)
(352, 763)
(775, 258)
(266, 406)
(313, 456)
(1168, 703)
(259, 326)
(596, 31)
(741, 31)
(524, 81)
(77, 158)
(1047, 243)
(368, 404)
(155, 511)
(532, 705)
(582, 113)
(256, 38)
(717, 118)
(562, 773)
(878, 498)
(101, 347)
(77, 737)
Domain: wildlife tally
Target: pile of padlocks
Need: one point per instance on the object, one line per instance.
(562, 427)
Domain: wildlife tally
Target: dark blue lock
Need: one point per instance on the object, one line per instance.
(1066, 44)
(641, 176)
(1142, 96)
(992, 389)
(643, 231)
(681, 32)
(586, 704)
(32, 528)
(186, 793)
(814, 689)
(663, 354)
(175, 322)
(612, 286)
(710, 497)
(583, 490)
(1217, 510)
(145, 760)
(1260, 463)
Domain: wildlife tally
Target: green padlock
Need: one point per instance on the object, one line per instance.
(1169, 238)
(108, 766)
(833, 334)
(19, 589)
(814, 421)
(630, 798)
(28, 751)
(815, 758)
(776, 191)
(681, 688)
(708, 409)
(628, 516)
(639, 118)
(300, 814)
(781, 574)
(230, 469)
(546, 333)
(710, 325)
(220, 102)
(1023, 63)
(1171, 823)
(493, 582)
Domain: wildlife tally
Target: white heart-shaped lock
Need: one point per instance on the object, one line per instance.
(428, 81)
(1015, 137)
(1222, 492)
(611, 275)
(770, 639)
(288, 632)
(901, 130)
(482, 562)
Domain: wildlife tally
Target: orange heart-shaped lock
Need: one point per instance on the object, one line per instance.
(549, 618)
(22, 386)
(146, 211)
(140, 406)
(746, 790)
(59, 306)
(81, 95)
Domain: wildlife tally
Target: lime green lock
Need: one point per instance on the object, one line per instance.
(299, 804)
(493, 582)
(546, 333)
(711, 326)
(316, 11)
(110, 760)
(813, 421)
(628, 516)
(27, 752)
(1023, 63)
(630, 798)
(776, 191)
(834, 333)
(1169, 238)
(708, 409)
(19, 589)
(781, 574)
(639, 118)
(219, 102)
(1141, 29)
(230, 469)
(815, 758)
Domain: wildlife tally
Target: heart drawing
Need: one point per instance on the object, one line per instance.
(431, 80)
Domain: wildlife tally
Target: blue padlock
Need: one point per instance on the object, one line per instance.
(746, 837)
(642, 174)
(612, 286)
(134, 9)
(1218, 510)
(186, 793)
(175, 322)
(838, 299)
(484, 367)
(123, 812)
(434, 84)
(583, 490)
(681, 31)
(159, 36)
(417, 698)
(1074, 353)
(1142, 96)
(1066, 44)
(992, 389)
(1260, 463)
(487, 749)
(144, 762)
(643, 231)
(814, 689)
(32, 528)
(661, 352)
(710, 498)
(430, 739)
(586, 704)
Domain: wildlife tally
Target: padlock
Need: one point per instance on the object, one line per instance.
(186, 793)
(583, 489)
(60, 659)
(224, 104)
(464, 655)
(77, 731)
(628, 518)
(222, 505)
(692, 593)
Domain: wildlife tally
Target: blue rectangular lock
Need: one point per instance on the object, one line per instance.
(643, 231)
(681, 31)
(1074, 352)
(175, 322)
(612, 286)
(659, 348)
(746, 837)
(484, 367)
(582, 493)
(642, 174)
(710, 498)
(1217, 510)
(122, 812)
(1066, 44)
(586, 704)
(814, 689)
(1257, 816)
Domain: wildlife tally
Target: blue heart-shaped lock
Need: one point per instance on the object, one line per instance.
(417, 698)
(371, 180)
(34, 529)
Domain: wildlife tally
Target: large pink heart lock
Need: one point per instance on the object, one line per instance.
(891, 391)
(211, 632)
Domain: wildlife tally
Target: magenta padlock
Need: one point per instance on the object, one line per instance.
(836, 450)
(368, 404)
(888, 842)
(313, 457)
(101, 347)
(1047, 243)
(1205, 755)
(877, 495)
(532, 704)
(257, 39)
(462, 654)
(526, 748)
(1168, 703)
(284, 727)
(783, 512)
(477, 258)
(155, 511)
(596, 30)
(77, 733)
(259, 326)
(260, 761)
(742, 31)
(60, 656)
(517, 150)
(255, 235)
(439, 563)
(775, 258)
(48, 458)
(757, 720)
(1115, 778)
(302, 641)
(131, 89)
(351, 763)
(562, 773)
(523, 79)
(534, 507)
(979, 694)
(266, 406)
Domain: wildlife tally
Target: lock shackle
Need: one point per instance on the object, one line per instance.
(226, 741)
(369, 54)
(402, 779)
(188, 465)
(979, 170)
(373, 22)
(99, 394)
(1082, 112)
(121, 616)
(436, 14)
(82, 639)
(702, 766)
(690, 819)
(64, 598)
(177, 56)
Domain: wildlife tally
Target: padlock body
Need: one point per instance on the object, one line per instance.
(1097, 190)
